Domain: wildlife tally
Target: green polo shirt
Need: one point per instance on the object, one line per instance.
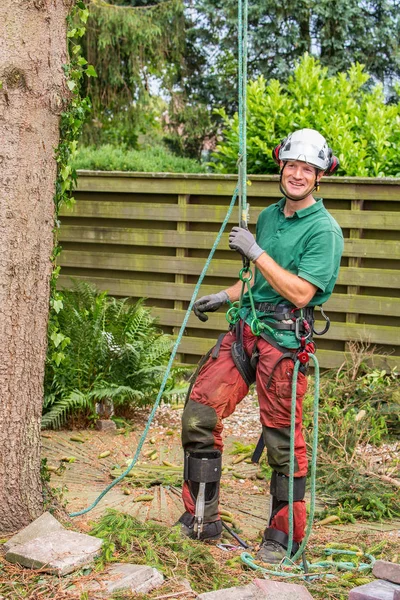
(308, 244)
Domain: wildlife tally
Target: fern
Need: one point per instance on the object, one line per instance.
(59, 411)
(115, 351)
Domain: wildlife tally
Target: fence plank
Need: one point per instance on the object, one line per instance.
(389, 249)
(355, 188)
(92, 259)
(138, 288)
(329, 359)
(375, 334)
(213, 214)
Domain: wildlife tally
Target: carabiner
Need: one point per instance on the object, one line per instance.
(299, 323)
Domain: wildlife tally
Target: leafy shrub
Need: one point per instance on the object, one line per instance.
(359, 406)
(111, 350)
(363, 131)
(154, 159)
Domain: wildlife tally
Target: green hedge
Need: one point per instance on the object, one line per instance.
(152, 159)
(362, 129)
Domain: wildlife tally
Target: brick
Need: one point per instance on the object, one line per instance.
(44, 525)
(276, 590)
(376, 590)
(60, 552)
(387, 570)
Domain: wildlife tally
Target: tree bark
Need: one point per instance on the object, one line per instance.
(32, 51)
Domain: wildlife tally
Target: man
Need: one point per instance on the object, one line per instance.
(296, 253)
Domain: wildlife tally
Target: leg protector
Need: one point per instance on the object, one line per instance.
(202, 472)
(279, 489)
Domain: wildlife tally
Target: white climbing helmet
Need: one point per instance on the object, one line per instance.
(306, 145)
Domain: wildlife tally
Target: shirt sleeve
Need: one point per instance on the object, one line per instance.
(317, 264)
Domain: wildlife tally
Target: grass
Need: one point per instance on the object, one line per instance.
(150, 159)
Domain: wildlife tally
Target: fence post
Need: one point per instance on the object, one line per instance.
(354, 261)
(181, 226)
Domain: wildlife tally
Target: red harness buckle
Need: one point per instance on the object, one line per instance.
(303, 357)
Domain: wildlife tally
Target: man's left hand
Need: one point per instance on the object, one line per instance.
(243, 241)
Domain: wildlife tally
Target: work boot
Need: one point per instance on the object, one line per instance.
(211, 531)
(271, 552)
(274, 547)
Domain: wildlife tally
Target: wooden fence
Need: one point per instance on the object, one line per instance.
(148, 235)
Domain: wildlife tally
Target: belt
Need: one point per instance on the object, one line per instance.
(283, 312)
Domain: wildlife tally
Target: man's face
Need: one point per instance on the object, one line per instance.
(298, 178)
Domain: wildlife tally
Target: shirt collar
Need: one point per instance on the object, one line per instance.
(303, 212)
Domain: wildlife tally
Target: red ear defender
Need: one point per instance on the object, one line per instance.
(275, 153)
(333, 165)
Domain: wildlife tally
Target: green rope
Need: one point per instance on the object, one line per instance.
(313, 457)
(295, 570)
(168, 369)
(241, 190)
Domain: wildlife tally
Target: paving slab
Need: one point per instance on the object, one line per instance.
(140, 579)
(244, 592)
(277, 590)
(376, 590)
(384, 569)
(44, 525)
(105, 425)
(60, 552)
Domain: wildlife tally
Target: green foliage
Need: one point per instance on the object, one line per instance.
(127, 539)
(363, 131)
(111, 350)
(338, 33)
(351, 417)
(130, 43)
(154, 159)
(188, 127)
(71, 123)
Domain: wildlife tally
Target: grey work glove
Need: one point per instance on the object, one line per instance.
(243, 241)
(209, 304)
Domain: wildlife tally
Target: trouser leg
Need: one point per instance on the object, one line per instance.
(275, 410)
(218, 389)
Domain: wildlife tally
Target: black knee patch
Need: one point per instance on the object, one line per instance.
(279, 487)
(198, 424)
(277, 442)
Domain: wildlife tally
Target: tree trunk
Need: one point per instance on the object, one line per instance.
(32, 51)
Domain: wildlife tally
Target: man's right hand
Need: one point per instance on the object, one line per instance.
(209, 303)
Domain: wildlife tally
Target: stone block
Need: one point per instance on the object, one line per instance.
(376, 590)
(276, 590)
(244, 592)
(139, 579)
(396, 595)
(44, 525)
(105, 425)
(383, 569)
(60, 552)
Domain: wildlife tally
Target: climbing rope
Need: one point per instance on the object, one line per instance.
(296, 570)
(169, 366)
(239, 191)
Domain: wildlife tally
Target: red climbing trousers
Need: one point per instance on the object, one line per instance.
(218, 389)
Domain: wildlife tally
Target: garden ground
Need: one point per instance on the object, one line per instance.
(82, 463)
